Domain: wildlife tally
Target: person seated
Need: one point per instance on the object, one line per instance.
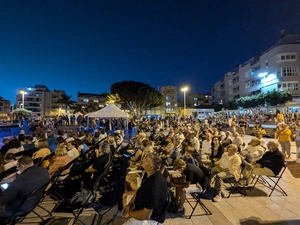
(29, 144)
(102, 157)
(81, 146)
(42, 152)
(271, 162)
(30, 179)
(138, 153)
(191, 174)
(147, 205)
(60, 159)
(228, 166)
(112, 143)
(89, 140)
(254, 151)
(72, 150)
(217, 150)
(238, 141)
(228, 140)
(5, 146)
(188, 158)
(167, 148)
(206, 144)
(51, 141)
(10, 161)
(15, 146)
(259, 135)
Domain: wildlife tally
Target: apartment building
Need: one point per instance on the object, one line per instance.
(86, 99)
(198, 100)
(277, 68)
(169, 94)
(41, 101)
(4, 108)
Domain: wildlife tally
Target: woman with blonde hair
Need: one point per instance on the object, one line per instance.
(283, 134)
(42, 152)
(60, 159)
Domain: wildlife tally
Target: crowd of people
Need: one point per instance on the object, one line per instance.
(196, 150)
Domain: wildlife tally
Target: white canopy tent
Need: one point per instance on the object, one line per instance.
(110, 111)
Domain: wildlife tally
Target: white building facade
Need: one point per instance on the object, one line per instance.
(277, 68)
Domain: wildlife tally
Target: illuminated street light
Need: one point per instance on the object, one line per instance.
(23, 94)
(185, 89)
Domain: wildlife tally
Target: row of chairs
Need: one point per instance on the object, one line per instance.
(37, 197)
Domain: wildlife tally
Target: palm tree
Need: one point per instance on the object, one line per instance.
(79, 108)
(92, 107)
(66, 101)
(113, 99)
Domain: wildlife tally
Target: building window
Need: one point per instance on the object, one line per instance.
(195, 99)
(248, 73)
(287, 56)
(287, 71)
(86, 100)
(267, 63)
(288, 86)
(247, 84)
(168, 103)
(96, 100)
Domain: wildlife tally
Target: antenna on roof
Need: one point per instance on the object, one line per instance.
(282, 33)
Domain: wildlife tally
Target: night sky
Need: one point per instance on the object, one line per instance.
(86, 46)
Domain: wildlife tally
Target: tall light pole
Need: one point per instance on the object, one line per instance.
(185, 89)
(23, 97)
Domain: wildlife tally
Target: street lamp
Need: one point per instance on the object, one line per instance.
(185, 89)
(23, 94)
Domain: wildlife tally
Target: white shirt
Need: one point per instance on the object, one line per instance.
(196, 144)
(206, 147)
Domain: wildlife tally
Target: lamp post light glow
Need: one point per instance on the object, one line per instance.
(185, 89)
(23, 98)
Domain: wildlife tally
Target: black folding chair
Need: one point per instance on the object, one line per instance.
(166, 205)
(78, 209)
(271, 182)
(20, 213)
(196, 193)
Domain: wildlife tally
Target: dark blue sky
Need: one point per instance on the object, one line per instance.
(87, 45)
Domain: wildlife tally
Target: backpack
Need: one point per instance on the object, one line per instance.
(83, 197)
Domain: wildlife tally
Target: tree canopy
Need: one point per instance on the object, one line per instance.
(137, 96)
(270, 98)
(22, 113)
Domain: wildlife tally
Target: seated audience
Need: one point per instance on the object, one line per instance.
(217, 150)
(72, 150)
(254, 151)
(191, 175)
(42, 152)
(271, 162)
(29, 144)
(10, 161)
(188, 158)
(228, 166)
(147, 205)
(31, 178)
(15, 146)
(60, 159)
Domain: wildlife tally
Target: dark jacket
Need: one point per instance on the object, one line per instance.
(272, 160)
(32, 178)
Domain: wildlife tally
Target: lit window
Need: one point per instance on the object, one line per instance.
(86, 100)
(195, 99)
